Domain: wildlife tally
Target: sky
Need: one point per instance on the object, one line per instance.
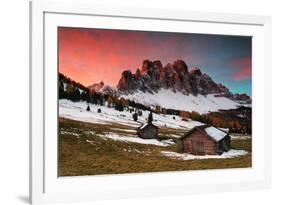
(92, 55)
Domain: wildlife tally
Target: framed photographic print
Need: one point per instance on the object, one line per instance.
(133, 103)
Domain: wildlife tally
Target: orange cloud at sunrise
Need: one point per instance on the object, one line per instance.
(92, 55)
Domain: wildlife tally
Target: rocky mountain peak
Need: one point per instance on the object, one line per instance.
(96, 87)
(157, 65)
(146, 66)
(180, 66)
(127, 81)
(196, 71)
(138, 74)
(175, 76)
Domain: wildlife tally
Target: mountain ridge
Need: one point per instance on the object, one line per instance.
(173, 86)
(176, 76)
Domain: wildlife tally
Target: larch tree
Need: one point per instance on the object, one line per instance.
(150, 118)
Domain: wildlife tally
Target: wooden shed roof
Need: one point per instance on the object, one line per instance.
(146, 125)
(213, 132)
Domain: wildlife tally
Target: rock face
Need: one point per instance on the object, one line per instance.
(242, 97)
(175, 76)
(96, 87)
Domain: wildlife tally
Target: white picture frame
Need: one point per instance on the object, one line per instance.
(46, 186)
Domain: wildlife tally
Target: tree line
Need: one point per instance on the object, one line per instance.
(69, 89)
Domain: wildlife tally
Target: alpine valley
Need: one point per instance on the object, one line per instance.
(99, 125)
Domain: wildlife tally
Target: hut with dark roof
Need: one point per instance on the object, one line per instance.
(148, 131)
(206, 140)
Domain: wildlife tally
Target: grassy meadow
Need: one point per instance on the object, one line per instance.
(83, 151)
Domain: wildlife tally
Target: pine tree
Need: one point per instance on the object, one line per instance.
(69, 91)
(135, 116)
(95, 98)
(62, 93)
(85, 96)
(150, 118)
(119, 106)
(76, 95)
(139, 113)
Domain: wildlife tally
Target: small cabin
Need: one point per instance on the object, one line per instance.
(206, 140)
(148, 131)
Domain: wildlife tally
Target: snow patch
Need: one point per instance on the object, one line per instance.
(215, 133)
(124, 130)
(240, 137)
(143, 126)
(92, 142)
(166, 98)
(89, 132)
(132, 139)
(69, 133)
(185, 156)
(175, 136)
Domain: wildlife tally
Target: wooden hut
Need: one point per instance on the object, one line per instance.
(148, 131)
(206, 140)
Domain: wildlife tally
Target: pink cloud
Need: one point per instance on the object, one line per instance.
(243, 68)
(90, 55)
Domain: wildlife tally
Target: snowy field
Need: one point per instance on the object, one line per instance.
(165, 143)
(77, 111)
(132, 139)
(129, 138)
(184, 156)
(169, 99)
(240, 136)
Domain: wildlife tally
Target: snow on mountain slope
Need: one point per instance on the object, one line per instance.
(166, 98)
(176, 76)
(77, 111)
